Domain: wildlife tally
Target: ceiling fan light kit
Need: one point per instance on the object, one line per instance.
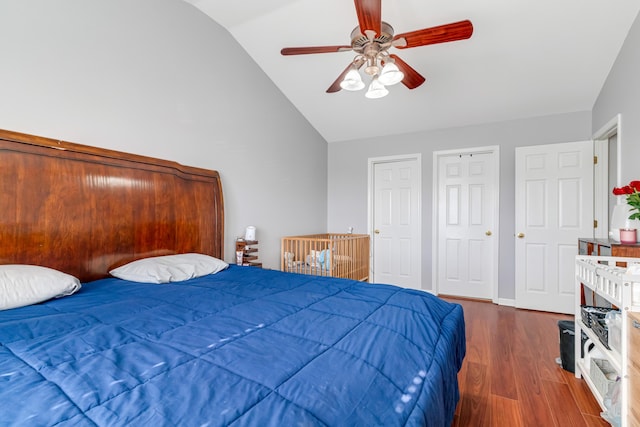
(376, 89)
(391, 74)
(352, 81)
(371, 40)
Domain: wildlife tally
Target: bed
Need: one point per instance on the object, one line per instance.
(243, 346)
(327, 254)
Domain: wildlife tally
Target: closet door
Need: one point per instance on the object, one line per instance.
(396, 220)
(554, 208)
(467, 225)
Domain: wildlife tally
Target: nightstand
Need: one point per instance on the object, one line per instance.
(249, 251)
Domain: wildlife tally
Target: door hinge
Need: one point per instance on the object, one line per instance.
(595, 223)
(595, 160)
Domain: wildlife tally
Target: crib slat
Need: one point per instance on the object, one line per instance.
(329, 254)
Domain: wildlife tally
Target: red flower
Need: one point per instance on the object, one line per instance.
(632, 191)
(620, 191)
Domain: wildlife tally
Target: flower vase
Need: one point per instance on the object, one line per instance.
(620, 220)
(628, 236)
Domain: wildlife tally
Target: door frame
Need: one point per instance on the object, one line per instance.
(601, 185)
(373, 161)
(494, 150)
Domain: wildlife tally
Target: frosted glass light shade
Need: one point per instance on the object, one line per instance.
(390, 75)
(352, 81)
(376, 90)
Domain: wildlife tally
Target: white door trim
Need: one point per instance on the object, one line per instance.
(600, 189)
(601, 172)
(370, 205)
(613, 127)
(495, 150)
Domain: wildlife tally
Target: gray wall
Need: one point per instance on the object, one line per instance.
(140, 76)
(347, 202)
(621, 95)
(160, 78)
(348, 162)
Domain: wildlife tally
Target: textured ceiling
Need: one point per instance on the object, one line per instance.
(526, 58)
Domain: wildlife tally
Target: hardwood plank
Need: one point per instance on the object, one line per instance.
(534, 405)
(477, 333)
(462, 383)
(595, 421)
(502, 366)
(550, 350)
(545, 344)
(510, 377)
(563, 408)
(505, 412)
(582, 395)
(474, 401)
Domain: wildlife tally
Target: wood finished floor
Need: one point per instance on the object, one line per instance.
(509, 376)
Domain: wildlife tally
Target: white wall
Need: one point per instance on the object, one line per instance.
(160, 78)
(347, 202)
(621, 94)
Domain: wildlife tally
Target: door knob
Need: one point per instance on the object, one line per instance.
(376, 231)
(520, 235)
(488, 232)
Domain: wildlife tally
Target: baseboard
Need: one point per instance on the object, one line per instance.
(501, 301)
(507, 302)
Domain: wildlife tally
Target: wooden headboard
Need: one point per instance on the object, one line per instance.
(85, 210)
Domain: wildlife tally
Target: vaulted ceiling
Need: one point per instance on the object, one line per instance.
(526, 58)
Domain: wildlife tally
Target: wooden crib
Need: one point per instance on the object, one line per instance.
(330, 254)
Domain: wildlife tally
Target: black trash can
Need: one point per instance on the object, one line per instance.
(567, 344)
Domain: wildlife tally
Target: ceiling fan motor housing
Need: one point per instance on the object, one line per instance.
(360, 41)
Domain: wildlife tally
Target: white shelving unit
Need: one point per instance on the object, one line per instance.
(607, 278)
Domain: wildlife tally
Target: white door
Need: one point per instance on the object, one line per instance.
(395, 221)
(467, 218)
(554, 207)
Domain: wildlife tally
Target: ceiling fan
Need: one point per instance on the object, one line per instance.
(372, 39)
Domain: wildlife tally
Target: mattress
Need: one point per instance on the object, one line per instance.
(245, 346)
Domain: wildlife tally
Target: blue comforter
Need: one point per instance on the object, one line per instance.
(243, 347)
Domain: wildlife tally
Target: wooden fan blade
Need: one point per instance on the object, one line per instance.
(313, 49)
(369, 16)
(441, 34)
(335, 87)
(412, 79)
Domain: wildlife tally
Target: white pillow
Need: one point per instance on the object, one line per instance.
(169, 268)
(22, 285)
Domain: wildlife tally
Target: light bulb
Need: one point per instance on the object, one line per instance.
(390, 75)
(352, 81)
(376, 89)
